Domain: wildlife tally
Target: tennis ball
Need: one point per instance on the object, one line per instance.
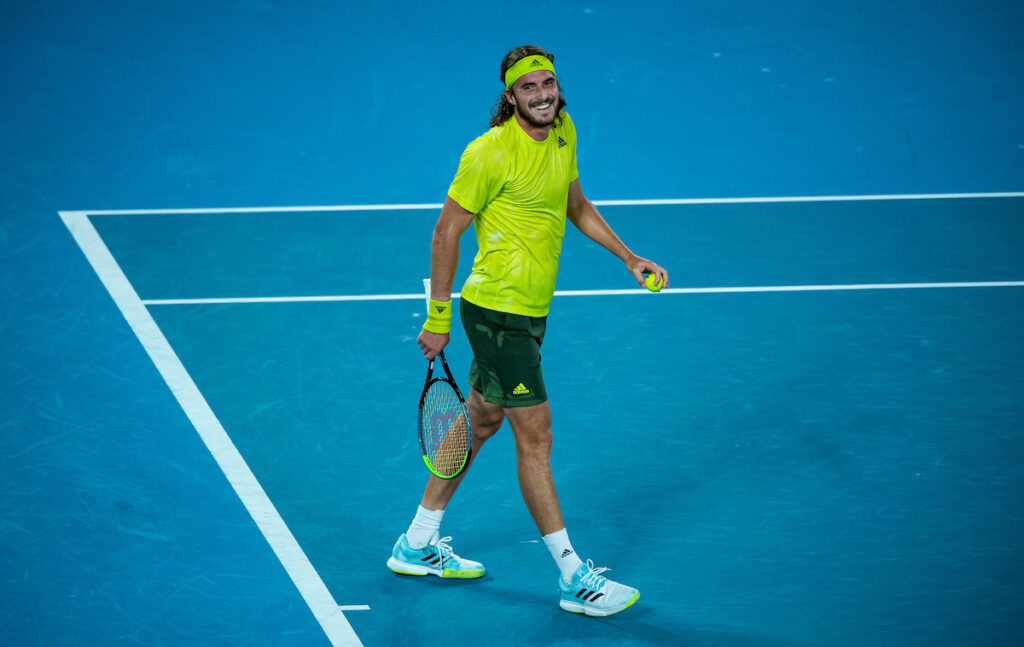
(650, 281)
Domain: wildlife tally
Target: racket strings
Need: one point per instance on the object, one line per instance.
(446, 429)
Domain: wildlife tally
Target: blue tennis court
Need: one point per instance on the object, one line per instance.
(822, 454)
(812, 438)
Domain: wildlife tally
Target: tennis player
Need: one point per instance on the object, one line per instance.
(518, 183)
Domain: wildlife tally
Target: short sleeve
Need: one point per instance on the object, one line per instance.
(480, 176)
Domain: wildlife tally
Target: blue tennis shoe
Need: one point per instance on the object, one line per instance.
(436, 558)
(591, 593)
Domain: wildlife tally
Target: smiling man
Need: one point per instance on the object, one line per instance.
(517, 183)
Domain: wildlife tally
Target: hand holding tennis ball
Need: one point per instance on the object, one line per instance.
(653, 282)
(647, 273)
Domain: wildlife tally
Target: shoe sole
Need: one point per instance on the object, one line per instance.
(594, 612)
(404, 568)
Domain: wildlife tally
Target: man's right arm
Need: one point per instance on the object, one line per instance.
(444, 259)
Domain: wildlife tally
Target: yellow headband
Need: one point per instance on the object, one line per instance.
(527, 65)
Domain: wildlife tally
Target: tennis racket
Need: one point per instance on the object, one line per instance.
(443, 427)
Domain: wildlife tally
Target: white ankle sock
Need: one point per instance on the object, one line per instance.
(424, 525)
(561, 550)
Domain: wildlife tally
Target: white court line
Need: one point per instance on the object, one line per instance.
(592, 293)
(812, 198)
(600, 203)
(312, 588)
(309, 299)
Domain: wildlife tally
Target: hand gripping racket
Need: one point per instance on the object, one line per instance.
(444, 430)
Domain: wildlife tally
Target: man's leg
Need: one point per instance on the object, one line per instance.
(532, 429)
(485, 418)
(584, 589)
(420, 551)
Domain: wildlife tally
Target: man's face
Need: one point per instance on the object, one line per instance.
(535, 96)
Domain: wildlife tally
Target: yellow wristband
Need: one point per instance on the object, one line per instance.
(439, 317)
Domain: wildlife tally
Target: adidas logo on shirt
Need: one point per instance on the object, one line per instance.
(561, 142)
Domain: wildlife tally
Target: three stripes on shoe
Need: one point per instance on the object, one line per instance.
(586, 593)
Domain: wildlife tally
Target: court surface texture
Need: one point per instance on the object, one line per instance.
(216, 220)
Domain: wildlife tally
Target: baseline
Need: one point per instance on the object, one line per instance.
(590, 293)
(600, 203)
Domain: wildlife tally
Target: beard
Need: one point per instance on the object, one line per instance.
(537, 121)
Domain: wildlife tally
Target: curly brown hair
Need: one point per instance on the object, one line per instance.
(503, 110)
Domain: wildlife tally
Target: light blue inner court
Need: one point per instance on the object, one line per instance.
(806, 461)
(827, 468)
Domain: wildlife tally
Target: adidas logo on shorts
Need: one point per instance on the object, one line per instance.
(520, 390)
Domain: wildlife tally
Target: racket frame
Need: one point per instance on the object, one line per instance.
(430, 381)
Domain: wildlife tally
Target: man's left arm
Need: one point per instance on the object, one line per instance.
(585, 216)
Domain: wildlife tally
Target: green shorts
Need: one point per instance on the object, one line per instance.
(506, 355)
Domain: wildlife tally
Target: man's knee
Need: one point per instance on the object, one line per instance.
(486, 426)
(535, 442)
(485, 416)
(532, 429)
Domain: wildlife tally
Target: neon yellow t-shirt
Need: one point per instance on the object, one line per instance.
(518, 188)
